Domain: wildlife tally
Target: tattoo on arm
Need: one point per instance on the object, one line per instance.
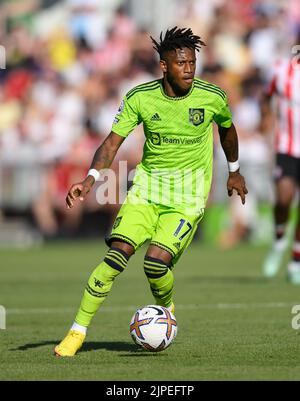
(229, 142)
(103, 157)
(106, 152)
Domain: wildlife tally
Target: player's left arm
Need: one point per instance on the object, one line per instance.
(229, 142)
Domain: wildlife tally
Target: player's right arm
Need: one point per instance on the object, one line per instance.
(103, 158)
(126, 119)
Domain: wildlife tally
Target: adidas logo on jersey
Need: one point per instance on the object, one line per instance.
(155, 117)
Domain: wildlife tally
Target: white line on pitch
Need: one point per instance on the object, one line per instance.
(20, 311)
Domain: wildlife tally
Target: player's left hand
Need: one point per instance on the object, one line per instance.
(237, 182)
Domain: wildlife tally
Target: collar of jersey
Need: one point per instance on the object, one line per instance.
(175, 97)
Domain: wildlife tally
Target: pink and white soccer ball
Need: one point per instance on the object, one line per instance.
(153, 327)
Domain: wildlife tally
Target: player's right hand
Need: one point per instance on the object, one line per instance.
(79, 190)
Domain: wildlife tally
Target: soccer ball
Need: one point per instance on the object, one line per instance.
(153, 327)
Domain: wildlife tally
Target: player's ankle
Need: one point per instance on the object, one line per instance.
(79, 327)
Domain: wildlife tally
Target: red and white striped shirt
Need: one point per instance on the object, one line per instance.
(285, 84)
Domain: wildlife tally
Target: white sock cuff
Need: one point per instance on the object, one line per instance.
(78, 327)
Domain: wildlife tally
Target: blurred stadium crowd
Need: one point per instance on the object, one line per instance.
(69, 63)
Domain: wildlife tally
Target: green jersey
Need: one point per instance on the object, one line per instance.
(176, 167)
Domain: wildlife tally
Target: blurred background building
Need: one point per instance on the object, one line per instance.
(67, 64)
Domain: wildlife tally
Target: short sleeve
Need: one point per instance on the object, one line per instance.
(223, 115)
(127, 117)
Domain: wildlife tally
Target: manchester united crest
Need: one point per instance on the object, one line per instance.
(196, 116)
(117, 222)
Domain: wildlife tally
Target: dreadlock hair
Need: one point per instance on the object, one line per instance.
(177, 38)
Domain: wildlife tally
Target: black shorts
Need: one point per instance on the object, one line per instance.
(287, 166)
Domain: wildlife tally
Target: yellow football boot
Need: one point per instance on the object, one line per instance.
(70, 344)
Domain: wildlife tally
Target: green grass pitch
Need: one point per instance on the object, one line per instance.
(232, 323)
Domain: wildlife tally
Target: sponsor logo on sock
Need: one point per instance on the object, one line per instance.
(98, 283)
(155, 292)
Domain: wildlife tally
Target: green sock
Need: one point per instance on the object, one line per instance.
(99, 285)
(161, 280)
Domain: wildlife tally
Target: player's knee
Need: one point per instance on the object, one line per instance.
(123, 246)
(159, 253)
(285, 198)
(283, 203)
(286, 190)
(155, 268)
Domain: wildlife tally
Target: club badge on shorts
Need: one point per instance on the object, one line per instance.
(117, 222)
(196, 116)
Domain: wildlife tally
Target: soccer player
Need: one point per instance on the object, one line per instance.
(284, 87)
(172, 182)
